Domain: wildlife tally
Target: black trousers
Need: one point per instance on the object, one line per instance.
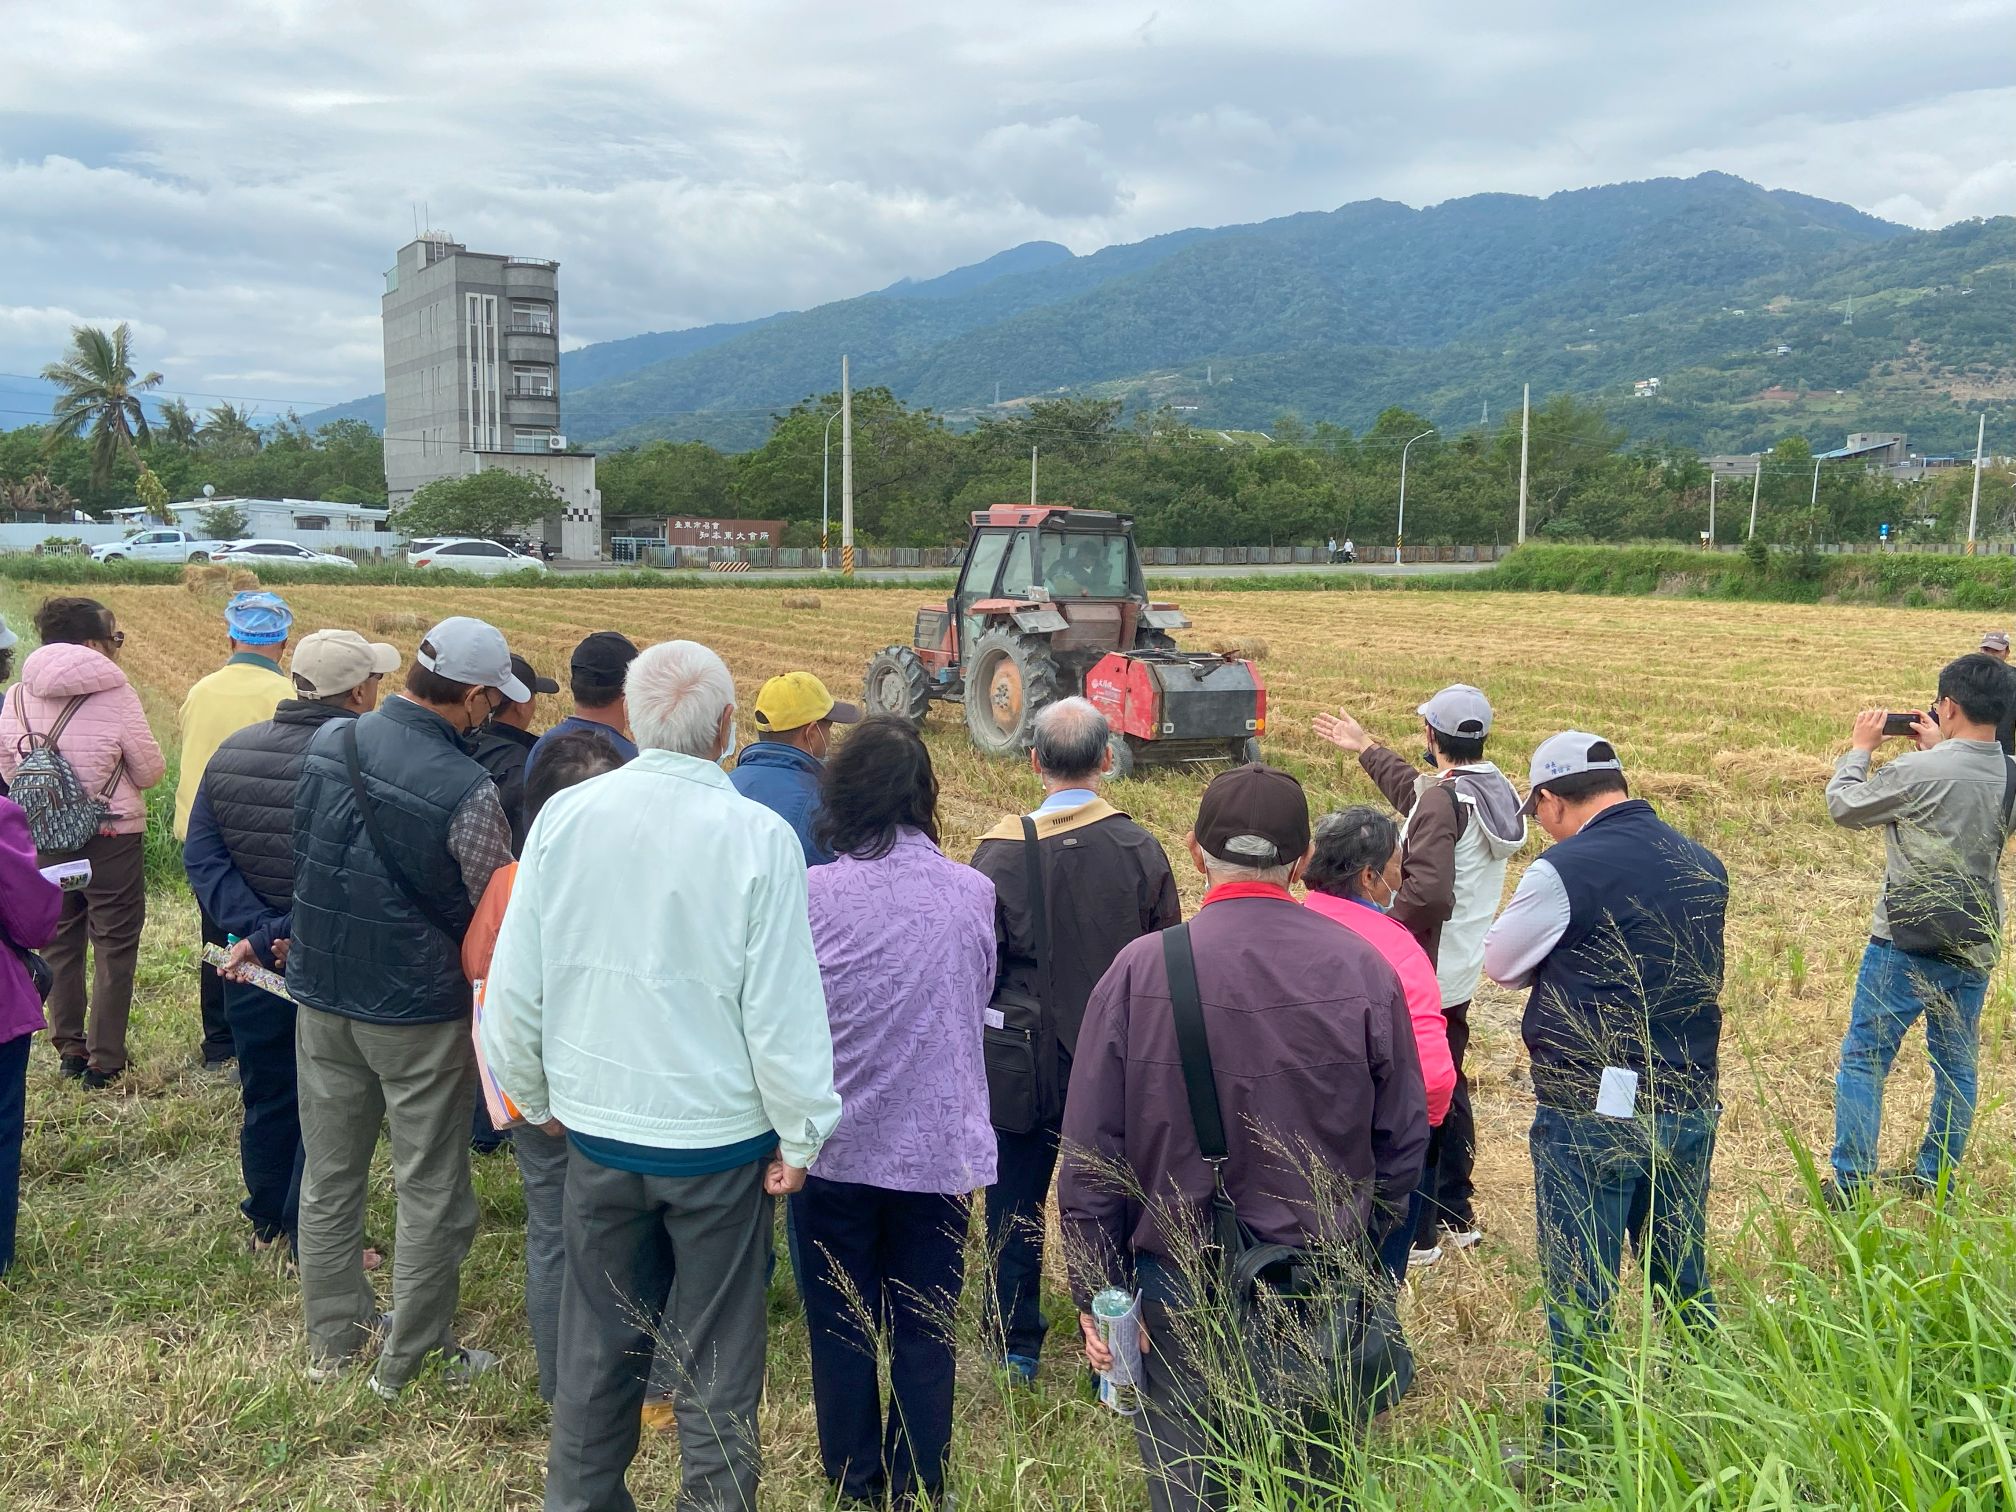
(1016, 1227)
(217, 1046)
(269, 1143)
(1448, 1182)
(883, 1270)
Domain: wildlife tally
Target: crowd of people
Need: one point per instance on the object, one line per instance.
(683, 992)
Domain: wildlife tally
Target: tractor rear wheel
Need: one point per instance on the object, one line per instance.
(1008, 681)
(1123, 756)
(898, 684)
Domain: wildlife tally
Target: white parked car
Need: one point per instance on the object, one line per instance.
(165, 544)
(260, 555)
(465, 554)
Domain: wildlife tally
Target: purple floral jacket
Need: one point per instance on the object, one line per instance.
(906, 953)
(30, 904)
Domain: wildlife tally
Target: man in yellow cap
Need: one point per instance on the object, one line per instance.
(795, 716)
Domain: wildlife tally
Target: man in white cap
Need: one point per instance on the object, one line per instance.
(1617, 931)
(240, 860)
(1463, 824)
(396, 833)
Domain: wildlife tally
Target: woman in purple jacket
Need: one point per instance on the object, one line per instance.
(905, 939)
(30, 905)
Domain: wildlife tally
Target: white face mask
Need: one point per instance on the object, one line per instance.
(734, 739)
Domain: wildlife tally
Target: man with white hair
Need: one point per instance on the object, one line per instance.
(1303, 1032)
(654, 996)
(1105, 883)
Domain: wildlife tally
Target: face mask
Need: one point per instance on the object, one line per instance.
(1428, 756)
(734, 738)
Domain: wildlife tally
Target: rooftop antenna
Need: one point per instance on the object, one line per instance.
(416, 220)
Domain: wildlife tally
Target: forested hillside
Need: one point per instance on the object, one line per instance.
(1337, 316)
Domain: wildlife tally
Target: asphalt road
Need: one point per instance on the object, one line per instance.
(911, 574)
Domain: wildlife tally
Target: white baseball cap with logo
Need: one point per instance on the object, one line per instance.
(1565, 755)
(1459, 710)
(466, 650)
(335, 661)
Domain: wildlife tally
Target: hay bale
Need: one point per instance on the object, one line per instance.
(1682, 787)
(387, 624)
(205, 577)
(1241, 647)
(800, 601)
(243, 580)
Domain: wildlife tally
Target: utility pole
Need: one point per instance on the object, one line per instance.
(1974, 506)
(1525, 434)
(1032, 477)
(1711, 509)
(846, 472)
(826, 490)
(1400, 526)
(1756, 482)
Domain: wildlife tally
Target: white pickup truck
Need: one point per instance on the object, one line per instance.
(165, 544)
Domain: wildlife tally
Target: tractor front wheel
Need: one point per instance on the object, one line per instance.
(1008, 682)
(898, 684)
(1122, 751)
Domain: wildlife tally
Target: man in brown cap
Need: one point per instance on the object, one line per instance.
(1312, 1052)
(1996, 644)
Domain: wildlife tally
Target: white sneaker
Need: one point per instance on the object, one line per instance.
(1421, 1259)
(1462, 1239)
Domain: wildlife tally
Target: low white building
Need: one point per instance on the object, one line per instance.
(272, 517)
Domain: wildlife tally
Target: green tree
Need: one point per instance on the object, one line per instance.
(222, 522)
(228, 431)
(488, 503)
(101, 394)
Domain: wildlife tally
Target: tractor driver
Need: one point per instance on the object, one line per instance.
(1086, 571)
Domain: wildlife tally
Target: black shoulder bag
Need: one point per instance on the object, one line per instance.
(1020, 1041)
(394, 872)
(1319, 1325)
(1948, 914)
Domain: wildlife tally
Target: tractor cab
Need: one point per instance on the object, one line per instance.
(1048, 596)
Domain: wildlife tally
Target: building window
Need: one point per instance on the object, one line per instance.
(532, 315)
(485, 401)
(532, 382)
(531, 440)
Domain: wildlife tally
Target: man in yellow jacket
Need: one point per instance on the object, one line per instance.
(243, 692)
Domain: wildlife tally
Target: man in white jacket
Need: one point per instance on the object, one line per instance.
(654, 1000)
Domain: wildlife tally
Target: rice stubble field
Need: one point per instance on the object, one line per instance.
(150, 1362)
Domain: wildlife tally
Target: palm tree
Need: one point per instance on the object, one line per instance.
(178, 423)
(228, 431)
(101, 395)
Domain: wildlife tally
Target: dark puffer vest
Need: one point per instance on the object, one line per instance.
(1636, 979)
(359, 948)
(251, 781)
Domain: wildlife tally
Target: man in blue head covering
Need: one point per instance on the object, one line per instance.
(244, 691)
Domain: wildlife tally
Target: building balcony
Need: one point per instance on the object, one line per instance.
(531, 325)
(531, 347)
(532, 391)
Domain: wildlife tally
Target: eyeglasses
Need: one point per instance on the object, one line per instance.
(118, 638)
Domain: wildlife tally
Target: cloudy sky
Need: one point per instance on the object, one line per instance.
(233, 178)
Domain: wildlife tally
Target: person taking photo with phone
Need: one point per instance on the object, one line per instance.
(1945, 811)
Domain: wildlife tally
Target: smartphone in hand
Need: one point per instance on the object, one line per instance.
(1904, 724)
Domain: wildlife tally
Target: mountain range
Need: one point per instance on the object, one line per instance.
(1760, 312)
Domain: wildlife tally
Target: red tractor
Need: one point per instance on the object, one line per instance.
(1051, 603)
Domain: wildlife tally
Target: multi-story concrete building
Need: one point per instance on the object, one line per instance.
(472, 380)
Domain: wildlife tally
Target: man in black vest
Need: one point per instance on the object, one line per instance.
(240, 860)
(1107, 884)
(502, 746)
(396, 834)
(1618, 932)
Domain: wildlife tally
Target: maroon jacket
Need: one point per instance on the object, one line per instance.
(1313, 1052)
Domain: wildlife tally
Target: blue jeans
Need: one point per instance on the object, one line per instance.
(1599, 1181)
(1893, 988)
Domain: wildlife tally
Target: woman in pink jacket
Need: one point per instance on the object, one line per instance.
(1352, 877)
(109, 746)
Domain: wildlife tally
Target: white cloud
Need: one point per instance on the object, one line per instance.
(235, 177)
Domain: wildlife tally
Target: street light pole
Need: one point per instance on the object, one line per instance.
(1974, 505)
(1400, 526)
(826, 487)
(1756, 482)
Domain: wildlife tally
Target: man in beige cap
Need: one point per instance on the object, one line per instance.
(1996, 644)
(240, 860)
